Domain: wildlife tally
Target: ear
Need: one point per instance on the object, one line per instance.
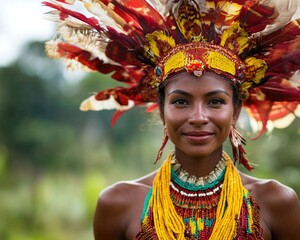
(161, 113)
(236, 114)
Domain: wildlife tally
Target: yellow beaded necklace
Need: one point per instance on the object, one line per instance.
(169, 225)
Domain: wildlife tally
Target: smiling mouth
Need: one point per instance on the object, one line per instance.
(198, 137)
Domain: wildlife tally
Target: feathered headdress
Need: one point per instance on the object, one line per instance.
(141, 42)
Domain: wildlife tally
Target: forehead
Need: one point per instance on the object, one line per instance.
(207, 82)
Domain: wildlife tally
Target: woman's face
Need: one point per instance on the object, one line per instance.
(198, 112)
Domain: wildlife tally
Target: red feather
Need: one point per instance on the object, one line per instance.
(283, 59)
(64, 13)
(285, 34)
(260, 111)
(263, 111)
(256, 16)
(152, 107)
(279, 91)
(84, 57)
(116, 117)
(140, 9)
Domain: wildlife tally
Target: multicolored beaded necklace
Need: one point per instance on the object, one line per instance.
(196, 199)
(190, 192)
(181, 206)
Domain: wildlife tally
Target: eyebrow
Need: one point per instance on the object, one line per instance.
(182, 92)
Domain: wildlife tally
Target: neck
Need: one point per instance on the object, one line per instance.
(198, 165)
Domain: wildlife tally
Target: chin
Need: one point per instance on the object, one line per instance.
(199, 151)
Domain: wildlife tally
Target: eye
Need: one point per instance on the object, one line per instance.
(216, 102)
(179, 102)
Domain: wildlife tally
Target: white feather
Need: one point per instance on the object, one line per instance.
(104, 16)
(295, 80)
(92, 104)
(285, 121)
(159, 5)
(88, 40)
(285, 10)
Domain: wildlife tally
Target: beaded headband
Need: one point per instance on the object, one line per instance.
(141, 42)
(195, 58)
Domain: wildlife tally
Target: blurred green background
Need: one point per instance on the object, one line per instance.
(54, 159)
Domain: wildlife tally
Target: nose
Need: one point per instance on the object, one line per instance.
(199, 115)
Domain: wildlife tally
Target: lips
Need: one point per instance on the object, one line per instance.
(198, 136)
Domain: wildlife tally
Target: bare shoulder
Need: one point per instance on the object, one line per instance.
(118, 206)
(269, 189)
(279, 204)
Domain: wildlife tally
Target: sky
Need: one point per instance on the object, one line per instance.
(22, 21)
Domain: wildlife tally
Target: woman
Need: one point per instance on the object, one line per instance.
(197, 114)
(201, 61)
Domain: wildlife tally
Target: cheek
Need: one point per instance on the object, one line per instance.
(226, 116)
(173, 130)
(225, 120)
(172, 119)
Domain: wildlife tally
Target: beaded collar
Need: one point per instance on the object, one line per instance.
(189, 192)
(201, 181)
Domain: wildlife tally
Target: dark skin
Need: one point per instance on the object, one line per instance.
(119, 208)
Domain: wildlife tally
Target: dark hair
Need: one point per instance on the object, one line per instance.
(161, 95)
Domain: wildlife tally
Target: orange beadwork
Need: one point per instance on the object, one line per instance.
(195, 67)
